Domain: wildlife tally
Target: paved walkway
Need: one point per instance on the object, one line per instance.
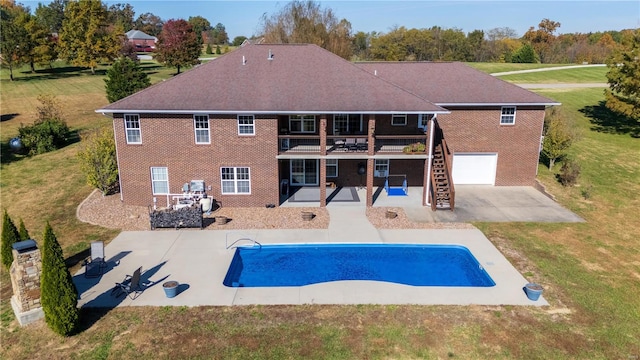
(552, 68)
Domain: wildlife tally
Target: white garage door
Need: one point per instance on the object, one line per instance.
(474, 169)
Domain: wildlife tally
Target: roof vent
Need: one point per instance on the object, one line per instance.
(244, 61)
(375, 72)
(270, 55)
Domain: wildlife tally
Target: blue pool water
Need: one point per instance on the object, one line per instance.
(298, 265)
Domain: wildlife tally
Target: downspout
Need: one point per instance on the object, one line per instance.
(115, 138)
(430, 157)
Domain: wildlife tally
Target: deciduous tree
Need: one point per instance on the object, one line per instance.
(199, 25)
(149, 24)
(98, 161)
(13, 36)
(52, 15)
(558, 136)
(85, 39)
(307, 22)
(59, 296)
(121, 15)
(623, 95)
(124, 78)
(178, 45)
(10, 236)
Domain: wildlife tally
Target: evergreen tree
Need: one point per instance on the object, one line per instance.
(208, 50)
(22, 230)
(10, 236)
(99, 163)
(59, 296)
(124, 78)
(525, 54)
(623, 95)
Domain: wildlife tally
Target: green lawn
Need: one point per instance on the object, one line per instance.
(571, 75)
(590, 271)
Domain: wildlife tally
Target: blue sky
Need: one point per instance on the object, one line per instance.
(243, 17)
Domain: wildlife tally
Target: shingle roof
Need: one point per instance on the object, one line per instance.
(137, 34)
(449, 83)
(299, 79)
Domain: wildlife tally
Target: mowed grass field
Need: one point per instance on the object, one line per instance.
(591, 271)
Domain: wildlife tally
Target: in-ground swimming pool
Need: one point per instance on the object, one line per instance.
(305, 264)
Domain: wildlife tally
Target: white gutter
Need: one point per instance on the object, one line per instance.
(430, 157)
(128, 111)
(499, 104)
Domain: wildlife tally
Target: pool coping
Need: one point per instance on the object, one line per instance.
(199, 259)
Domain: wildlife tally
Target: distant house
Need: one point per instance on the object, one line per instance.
(263, 118)
(141, 41)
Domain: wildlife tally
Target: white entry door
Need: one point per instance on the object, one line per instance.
(474, 168)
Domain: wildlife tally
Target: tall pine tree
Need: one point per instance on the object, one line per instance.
(10, 236)
(22, 230)
(59, 296)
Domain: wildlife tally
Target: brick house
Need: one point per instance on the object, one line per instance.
(265, 118)
(141, 41)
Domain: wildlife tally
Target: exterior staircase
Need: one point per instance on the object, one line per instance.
(442, 192)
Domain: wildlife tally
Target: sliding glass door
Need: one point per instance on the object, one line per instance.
(304, 172)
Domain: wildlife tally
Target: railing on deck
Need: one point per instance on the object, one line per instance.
(341, 143)
(397, 143)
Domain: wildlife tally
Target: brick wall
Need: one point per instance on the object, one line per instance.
(169, 141)
(475, 130)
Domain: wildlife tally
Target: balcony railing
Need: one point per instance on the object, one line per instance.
(349, 144)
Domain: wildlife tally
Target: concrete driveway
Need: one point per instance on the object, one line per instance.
(476, 203)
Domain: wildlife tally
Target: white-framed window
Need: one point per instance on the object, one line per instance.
(347, 123)
(508, 115)
(201, 128)
(132, 129)
(399, 119)
(160, 180)
(332, 168)
(381, 168)
(235, 180)
(246, 125)
(302, 123)
(423, 120)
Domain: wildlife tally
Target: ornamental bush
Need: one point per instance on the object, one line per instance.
(59, 296)
(44, 136)
(10, 236)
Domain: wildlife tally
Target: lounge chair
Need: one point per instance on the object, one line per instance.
(361, 144)
(95, 265)
(129, 286)
(350, 144)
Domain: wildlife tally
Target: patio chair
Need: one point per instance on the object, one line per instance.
(361, 144)
(95, 265)
(129, 286)
(350, 144)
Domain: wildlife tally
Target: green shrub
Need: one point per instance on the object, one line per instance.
(98, 161)
(569, 173)
(59, 296)
(44, 136)
(218, 52)
(209, 50)
(415, 147)
(10, 236)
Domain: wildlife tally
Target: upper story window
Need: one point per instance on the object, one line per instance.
(201, 126)
(347, 123)
(508, 115)
(399, 119)
(246, 125)
(132, 129)
(423, 120)
(235, 180)
(160, 180)
(302, 123)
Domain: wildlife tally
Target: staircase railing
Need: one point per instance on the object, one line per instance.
(448, 157)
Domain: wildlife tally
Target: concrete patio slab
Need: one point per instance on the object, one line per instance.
(199, 259)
